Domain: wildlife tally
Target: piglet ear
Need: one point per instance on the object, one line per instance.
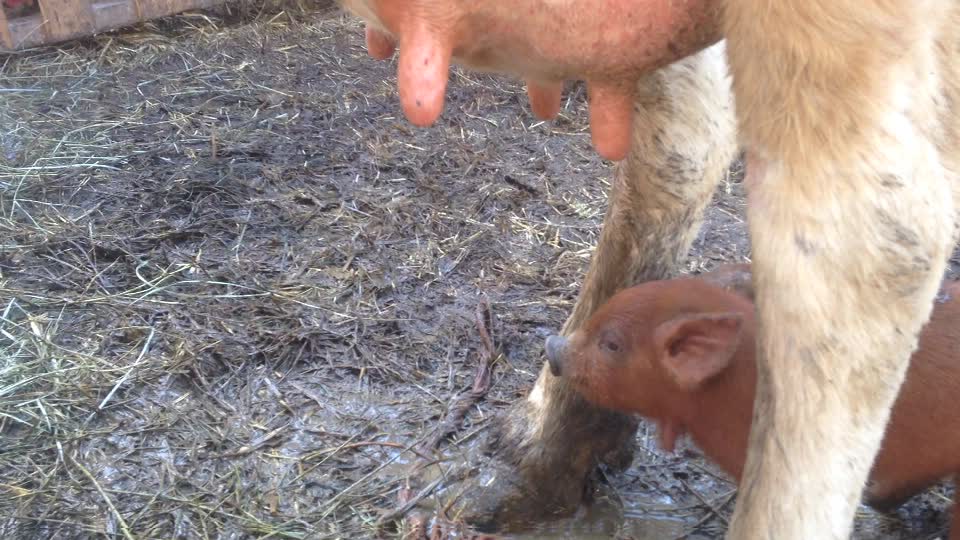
(695, 348)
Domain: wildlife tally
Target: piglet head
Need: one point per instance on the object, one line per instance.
(648, 349)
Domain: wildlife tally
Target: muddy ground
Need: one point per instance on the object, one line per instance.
(237, 286)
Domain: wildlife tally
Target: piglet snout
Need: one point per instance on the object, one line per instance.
(556, 354)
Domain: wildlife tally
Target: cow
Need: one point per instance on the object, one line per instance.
(847, 113)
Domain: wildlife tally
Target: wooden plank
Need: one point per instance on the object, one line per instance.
(26, 32)
(114, 14)
(5, 36)
(61, 20)
(65, 19)
(154, 9)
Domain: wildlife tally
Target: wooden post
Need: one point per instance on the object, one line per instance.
(27, 31)
(61, 20)
(5, 36)
(65, 19)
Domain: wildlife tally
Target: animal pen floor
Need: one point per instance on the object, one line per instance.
(236, 285)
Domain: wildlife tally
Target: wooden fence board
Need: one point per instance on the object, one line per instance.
(65, 19)
(114, 14)
(60, 20)
(5, 36)
(26, 31)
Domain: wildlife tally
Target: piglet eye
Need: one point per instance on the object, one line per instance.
(610, 346)
(609, 343)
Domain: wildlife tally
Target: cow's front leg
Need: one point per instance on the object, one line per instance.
(850, 216)
(546, 446)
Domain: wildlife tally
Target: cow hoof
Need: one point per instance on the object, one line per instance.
(516, 478)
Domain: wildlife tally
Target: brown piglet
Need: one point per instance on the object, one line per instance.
(681, 352)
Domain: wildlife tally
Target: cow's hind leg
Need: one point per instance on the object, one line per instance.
(850, 214)
(546, 446)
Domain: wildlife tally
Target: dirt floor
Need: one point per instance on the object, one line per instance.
(236, 286)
